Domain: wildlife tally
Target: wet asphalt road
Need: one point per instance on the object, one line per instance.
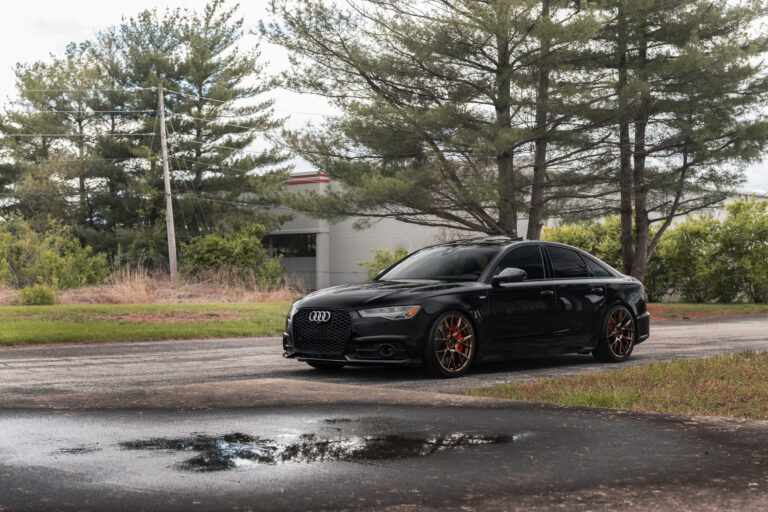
(229, 425)
(518, 456)
(40, 370)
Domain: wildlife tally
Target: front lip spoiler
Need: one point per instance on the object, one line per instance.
(349, 360)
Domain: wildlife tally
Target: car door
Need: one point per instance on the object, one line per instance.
(521, 313)
(580, 298)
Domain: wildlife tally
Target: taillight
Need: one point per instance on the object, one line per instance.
(645, 293)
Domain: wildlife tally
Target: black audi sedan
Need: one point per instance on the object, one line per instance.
(451, 305)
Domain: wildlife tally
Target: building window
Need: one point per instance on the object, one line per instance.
(294, 245)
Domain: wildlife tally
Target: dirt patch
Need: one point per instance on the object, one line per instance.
(671, 312)
(170, 317)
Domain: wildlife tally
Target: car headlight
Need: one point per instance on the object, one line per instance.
(392, 313)
(293, 310)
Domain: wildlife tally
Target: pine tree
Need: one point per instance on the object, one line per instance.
(687, 78)
(99, 101)
(442, 105)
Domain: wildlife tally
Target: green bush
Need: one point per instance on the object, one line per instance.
(382, 258)
(38, 295)
(701, 259)
(735, 262)
(684, 252)
(240, 251)
(602, 239)
(51, 255)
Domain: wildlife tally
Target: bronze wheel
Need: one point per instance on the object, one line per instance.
(618, 336)
(452, 346)
(620, 333)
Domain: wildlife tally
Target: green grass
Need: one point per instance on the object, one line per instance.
(123, 322)
(675, 310)
(733, 385)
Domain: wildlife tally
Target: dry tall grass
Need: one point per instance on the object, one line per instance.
(139, 286)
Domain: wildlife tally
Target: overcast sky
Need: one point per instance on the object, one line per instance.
(32, 29)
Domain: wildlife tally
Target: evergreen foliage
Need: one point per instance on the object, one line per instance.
(465, 114)
(96, 163)
(438, 102)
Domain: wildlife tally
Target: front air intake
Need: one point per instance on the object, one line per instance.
(324, 339)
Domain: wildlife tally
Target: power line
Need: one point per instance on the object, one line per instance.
(207, 98)
(236, 203)
(191, 182)
(123, 159)
(198, 97)
(224, 147)
(89, 90)
(75, 135)
(97, 111)
(211, 121)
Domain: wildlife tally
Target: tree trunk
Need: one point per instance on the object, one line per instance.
(505, 160)
(640, 260)
(536, 212)
(625, 151)
(507, 206)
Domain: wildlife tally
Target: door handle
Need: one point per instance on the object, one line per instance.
(597, 289)
(546, 292)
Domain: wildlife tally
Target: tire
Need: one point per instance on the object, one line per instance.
(447, 354)
(617, 336)
(326, 367)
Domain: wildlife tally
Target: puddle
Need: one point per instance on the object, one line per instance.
(235, 450)
(77, 450)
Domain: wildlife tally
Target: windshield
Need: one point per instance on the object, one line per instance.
(444, 263)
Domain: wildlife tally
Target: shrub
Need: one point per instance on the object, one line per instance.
(734, 265)
(683, 252)
(240, 251)
(38, 295)
(382, 258)
(51, 255)
(702, 259)
(602, 239)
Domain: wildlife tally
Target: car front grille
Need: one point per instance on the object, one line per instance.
(321, 339)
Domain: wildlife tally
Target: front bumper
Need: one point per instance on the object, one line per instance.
(352, 360)
(370, 341)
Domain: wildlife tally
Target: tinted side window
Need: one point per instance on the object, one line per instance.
(567, 263)
(527, 258)
(597, 270)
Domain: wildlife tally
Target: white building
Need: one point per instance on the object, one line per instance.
(317, 253)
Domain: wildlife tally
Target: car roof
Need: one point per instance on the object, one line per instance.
(502, 241)
(483, 240)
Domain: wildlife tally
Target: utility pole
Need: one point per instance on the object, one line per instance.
(167, 179)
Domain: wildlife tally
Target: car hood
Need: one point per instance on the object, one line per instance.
(378, 293)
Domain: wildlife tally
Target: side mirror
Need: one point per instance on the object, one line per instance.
(509, 275)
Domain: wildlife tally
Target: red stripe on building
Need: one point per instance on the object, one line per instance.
(302, 181)
(303, 176)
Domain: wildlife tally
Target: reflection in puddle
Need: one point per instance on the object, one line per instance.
(234, 450)
(77, 450)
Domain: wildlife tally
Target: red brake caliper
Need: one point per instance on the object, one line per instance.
(461, 345)
(610, 324)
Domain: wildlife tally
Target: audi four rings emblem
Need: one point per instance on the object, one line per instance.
(319, 316)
